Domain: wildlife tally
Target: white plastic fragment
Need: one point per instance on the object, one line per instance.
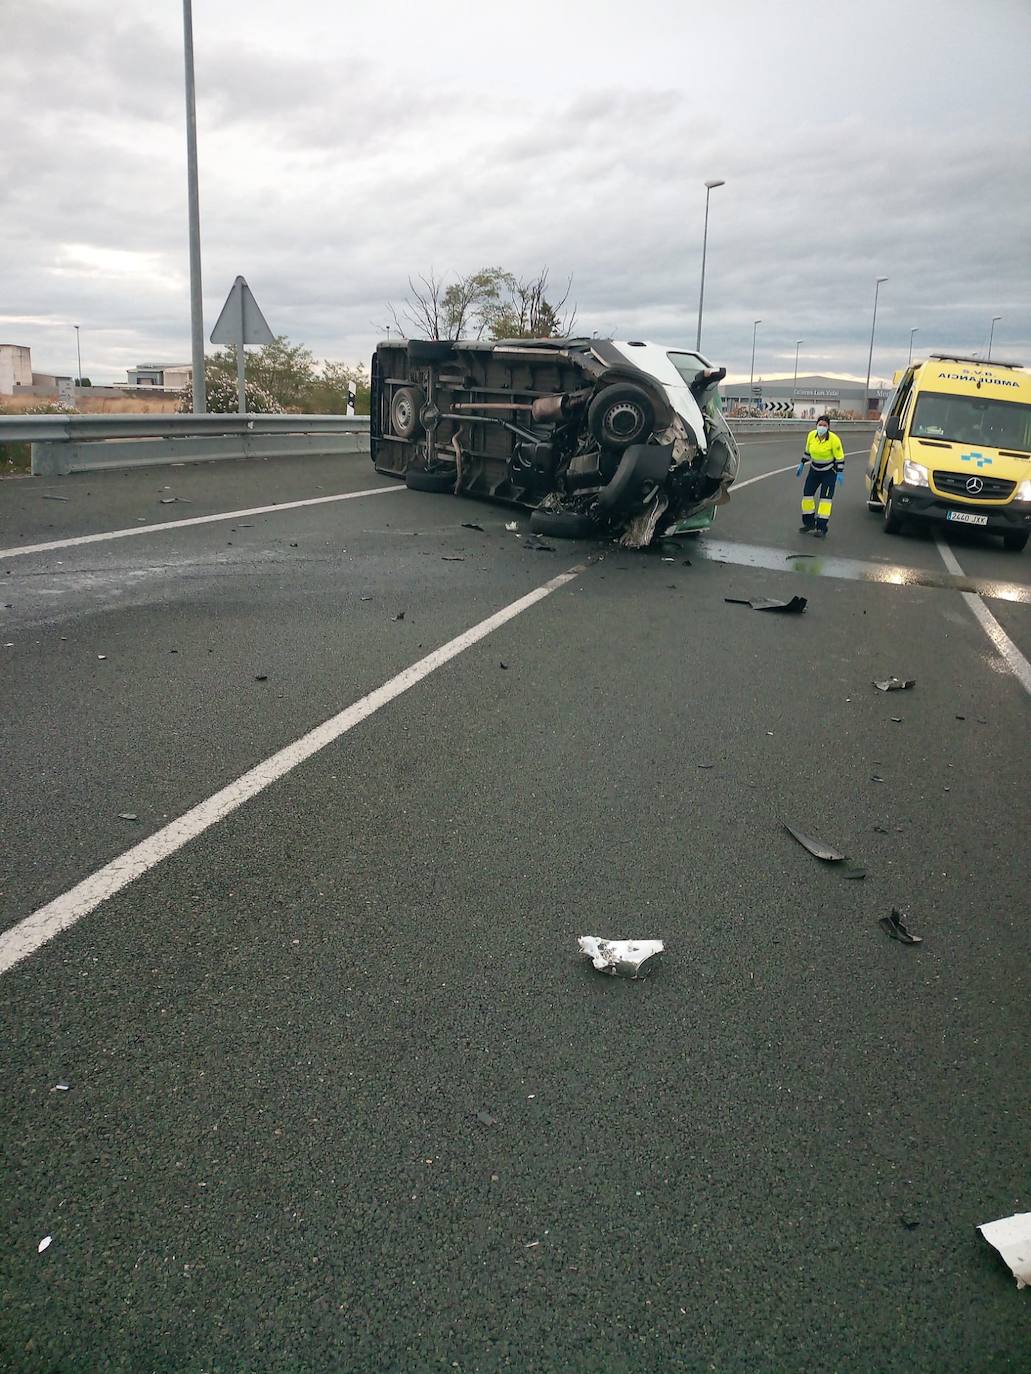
(1011, 1236)
(511, 525)
(624, 958)
(43, 1244)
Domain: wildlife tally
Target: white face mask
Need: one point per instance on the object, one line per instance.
(821, 431)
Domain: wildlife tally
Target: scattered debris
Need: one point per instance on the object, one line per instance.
(540, 548)
(400, 616)
(795, 606)
(452, 557)
(881, 829)
(624, 958)
(101, 657)
(61, 1088)
(801, 555)
(44, 1244)
(669, 560)
(910, 1223)
(688, 563)
(48, 497)
(961, 717)
(896, 720)
(469, 526)
(895, 926)
(128, 816)
(293, 546)
(512, 525)
(817, 848)
(705, 765)
(876, 777)
(1011, 1236)
(895, 684)
(502, 665)
(365, 598)
(485, 1118)
(261, 677)
(853, 873)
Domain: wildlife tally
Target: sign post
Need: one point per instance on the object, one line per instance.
(241, 322)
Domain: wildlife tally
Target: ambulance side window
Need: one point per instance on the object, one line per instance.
(900, 401)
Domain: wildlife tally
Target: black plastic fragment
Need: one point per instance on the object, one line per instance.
(400, 616)
(853, 872)
(817, 848)
(468, 526)
(502, 665)
(895, 684)
(795, 606)
(895, 926)
(452, 558)
(801, 555)
(261, 677)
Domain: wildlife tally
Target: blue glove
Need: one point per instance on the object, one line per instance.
(798, 470)
(841, 479)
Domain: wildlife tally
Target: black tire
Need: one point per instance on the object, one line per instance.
(642, 464)
(892, 519)
(620, 415)
(429, 350)
(875, 506)
(405, 405)
(419, 478)
(562, 524)
(1014, 540)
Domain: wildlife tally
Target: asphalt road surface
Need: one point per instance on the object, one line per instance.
(340, 1093)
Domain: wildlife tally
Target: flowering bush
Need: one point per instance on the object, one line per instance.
(223, 398)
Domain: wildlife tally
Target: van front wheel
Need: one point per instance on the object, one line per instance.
(1014, 540)
(892, 520)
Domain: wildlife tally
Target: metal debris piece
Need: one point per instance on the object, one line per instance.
(876, 777)
(128, 816)
(453, 557)
(261, 677)
(896, 720)
(400, 616)
(795, 606)
(61, 1088)
(44, 1244)
(817, 848)
(467, 525)
(895, 926)
(800, 555)
(168, 500)
(624, 958)
(1011, 1236)
(485, 1118)
(895, 684)
(48, 497)
(101, 657)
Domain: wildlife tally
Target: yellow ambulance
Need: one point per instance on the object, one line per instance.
(954, 447)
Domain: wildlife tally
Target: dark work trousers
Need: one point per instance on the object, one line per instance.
(818, 480)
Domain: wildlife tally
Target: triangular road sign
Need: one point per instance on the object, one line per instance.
(240, 304)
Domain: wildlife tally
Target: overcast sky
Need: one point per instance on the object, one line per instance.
(345, 146)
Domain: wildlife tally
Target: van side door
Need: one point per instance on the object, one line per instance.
(883, 448)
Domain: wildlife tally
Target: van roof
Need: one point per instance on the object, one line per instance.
(968, 358)
(960, 376)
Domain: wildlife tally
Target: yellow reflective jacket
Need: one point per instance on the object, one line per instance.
(824, 453)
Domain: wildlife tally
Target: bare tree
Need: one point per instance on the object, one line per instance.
(491, 301)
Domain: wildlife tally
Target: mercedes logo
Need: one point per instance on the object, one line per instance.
(974, 485)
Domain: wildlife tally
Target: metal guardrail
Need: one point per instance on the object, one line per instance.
(83, 443)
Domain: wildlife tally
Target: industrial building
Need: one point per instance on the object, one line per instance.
(172, 376)
(804, 398)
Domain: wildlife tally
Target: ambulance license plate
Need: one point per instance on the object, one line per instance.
(965, 518)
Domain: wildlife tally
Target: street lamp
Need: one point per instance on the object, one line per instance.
(200, 404)
(709, 186)
(751, 375)
(794, 380)
(911, 333)
(991, 336)
(78, 356)
(873, 326)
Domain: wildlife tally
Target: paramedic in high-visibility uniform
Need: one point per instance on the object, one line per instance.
(826, 459)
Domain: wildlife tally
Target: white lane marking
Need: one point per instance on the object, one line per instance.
(195, 520)
(33, 931)
(736, 486)
(1003, 645)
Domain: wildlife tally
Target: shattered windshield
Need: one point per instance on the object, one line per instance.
(973, 420)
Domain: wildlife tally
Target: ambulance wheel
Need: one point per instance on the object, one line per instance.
(1014, 540)
(892, 519)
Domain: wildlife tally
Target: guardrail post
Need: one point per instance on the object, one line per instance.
(50, 460)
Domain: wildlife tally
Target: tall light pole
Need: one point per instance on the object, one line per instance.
(709, 186)
(751, 375)
(911, 333)
(991, 336)
(78, 358)
(200, 403)
(873, 326)
(794, 380)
